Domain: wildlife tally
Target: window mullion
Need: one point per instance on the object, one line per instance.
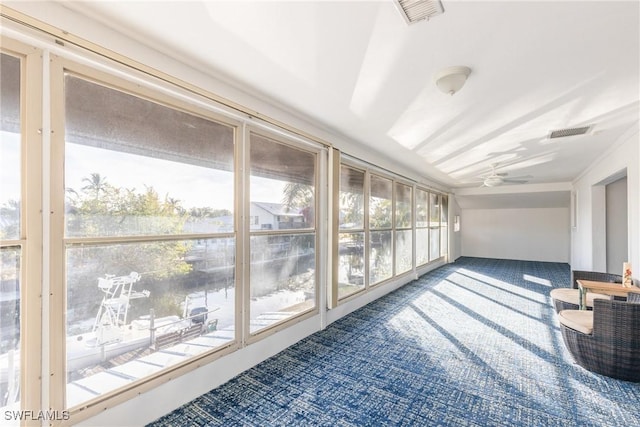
(32, 111)
(242, 221)
(367, 229)
(56, 296)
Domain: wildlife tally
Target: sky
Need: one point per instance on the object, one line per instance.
(9, 167)
(193, 186)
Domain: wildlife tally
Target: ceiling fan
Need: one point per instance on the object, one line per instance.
(495, 178)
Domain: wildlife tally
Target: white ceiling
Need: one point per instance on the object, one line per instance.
(357, 68)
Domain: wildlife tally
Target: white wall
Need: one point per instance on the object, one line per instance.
(524, 234)
(586, 240)
(617, 221)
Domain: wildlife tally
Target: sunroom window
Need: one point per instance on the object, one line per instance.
(403, 229)
(351, 261)
(422, 227)
(381, 232)
(11, 230)
(434, 226)
(149, 237)
(444, 229)
(283, 244)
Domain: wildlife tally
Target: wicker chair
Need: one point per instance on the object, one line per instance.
(613, 348)
(571, 302)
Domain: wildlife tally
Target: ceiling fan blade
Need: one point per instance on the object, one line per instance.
(515, 181)
(492, 175)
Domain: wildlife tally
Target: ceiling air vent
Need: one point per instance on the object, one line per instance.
(561, 133)
(418, 10)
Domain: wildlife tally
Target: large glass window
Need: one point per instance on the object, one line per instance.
(351, 269)
(10, 274)
(434, 226)
(283, 239)
(380, 224)
(11, 232)
(404, 223)
(444, 229)
(10, 148)
(422, 227)
(140, 175)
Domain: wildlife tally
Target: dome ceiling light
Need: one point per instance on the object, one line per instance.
(451, 79)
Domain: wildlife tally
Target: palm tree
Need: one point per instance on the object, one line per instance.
(173, 205)
(352, 204)
(297, 196)
(10, 219)
(96, 184)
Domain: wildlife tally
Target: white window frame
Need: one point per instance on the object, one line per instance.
(31, 220)
(58, 243)
(336, 231)
(319, 153)
(411, 227)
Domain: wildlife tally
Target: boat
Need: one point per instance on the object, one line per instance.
(112, 334)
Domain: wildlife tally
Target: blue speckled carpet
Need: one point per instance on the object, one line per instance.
(474, 343)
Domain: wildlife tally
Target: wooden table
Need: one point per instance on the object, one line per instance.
(607, 288)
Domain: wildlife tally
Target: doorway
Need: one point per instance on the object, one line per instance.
(616, 225)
